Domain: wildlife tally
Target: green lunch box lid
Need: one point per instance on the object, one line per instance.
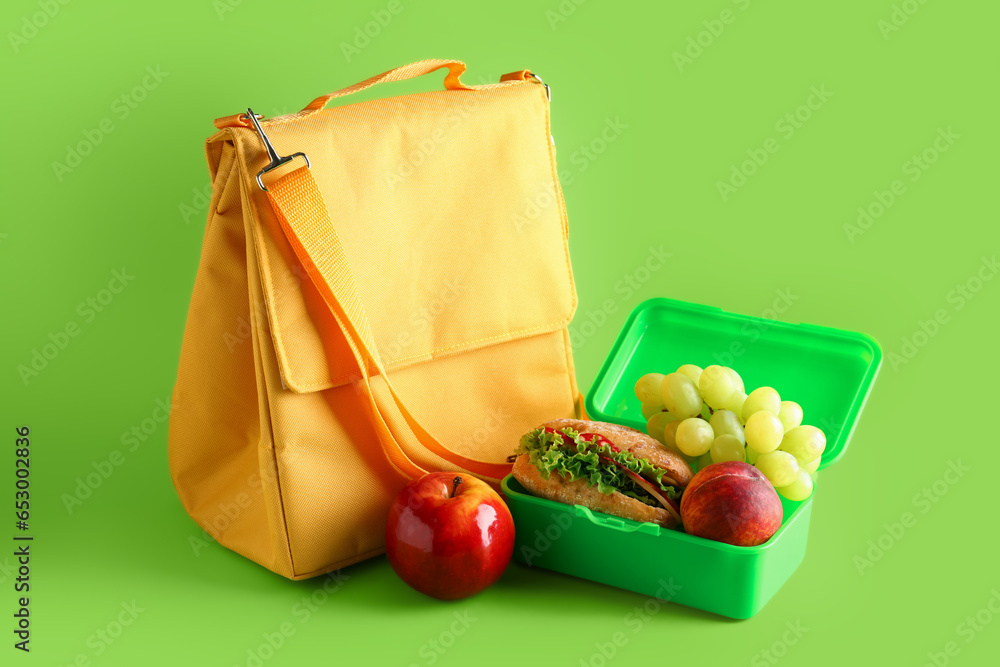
(829, 372)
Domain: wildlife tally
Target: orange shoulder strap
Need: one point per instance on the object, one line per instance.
(304, 217)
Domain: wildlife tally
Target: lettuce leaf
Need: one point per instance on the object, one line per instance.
(549, 452)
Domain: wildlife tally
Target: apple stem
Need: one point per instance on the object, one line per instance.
(455, 482)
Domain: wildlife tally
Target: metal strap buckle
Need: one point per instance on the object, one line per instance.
(276, 160)
(548, 91)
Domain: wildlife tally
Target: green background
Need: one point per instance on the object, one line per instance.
(682, 129)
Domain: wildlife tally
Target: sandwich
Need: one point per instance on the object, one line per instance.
(604, 467)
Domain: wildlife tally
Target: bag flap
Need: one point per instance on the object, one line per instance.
(449, 210)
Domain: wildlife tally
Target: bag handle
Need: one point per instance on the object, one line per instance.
(451, 82)
(305, 219)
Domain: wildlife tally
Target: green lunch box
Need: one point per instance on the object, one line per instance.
(829, 372)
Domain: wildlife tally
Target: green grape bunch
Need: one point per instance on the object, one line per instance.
(706, 416)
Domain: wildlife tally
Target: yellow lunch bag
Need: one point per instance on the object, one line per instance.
(371, 274)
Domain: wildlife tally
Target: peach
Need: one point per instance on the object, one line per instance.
(731, 502)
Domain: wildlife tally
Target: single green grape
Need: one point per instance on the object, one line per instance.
(650, 409)
(728, 448)
(779, 467)
(725, 422)
(805, 443)
(813, 465)
(657, 423)
(717, 386)
(800, 489)
(670, 442)
(790, 414)
(735, 405)
(694, 436)
(764, 431)
(647, 388)
(680, 395)
(670, 435)
(762, 398)
(737, 380)
(692, 371)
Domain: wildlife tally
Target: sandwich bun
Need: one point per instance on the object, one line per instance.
(578, 492)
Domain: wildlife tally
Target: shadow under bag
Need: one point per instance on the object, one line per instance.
(403, 272)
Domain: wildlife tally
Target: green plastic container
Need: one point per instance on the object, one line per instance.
(828, 371)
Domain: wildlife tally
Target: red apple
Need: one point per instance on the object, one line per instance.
(449, 535)
(731, 502)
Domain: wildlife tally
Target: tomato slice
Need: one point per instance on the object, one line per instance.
(648, 487)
